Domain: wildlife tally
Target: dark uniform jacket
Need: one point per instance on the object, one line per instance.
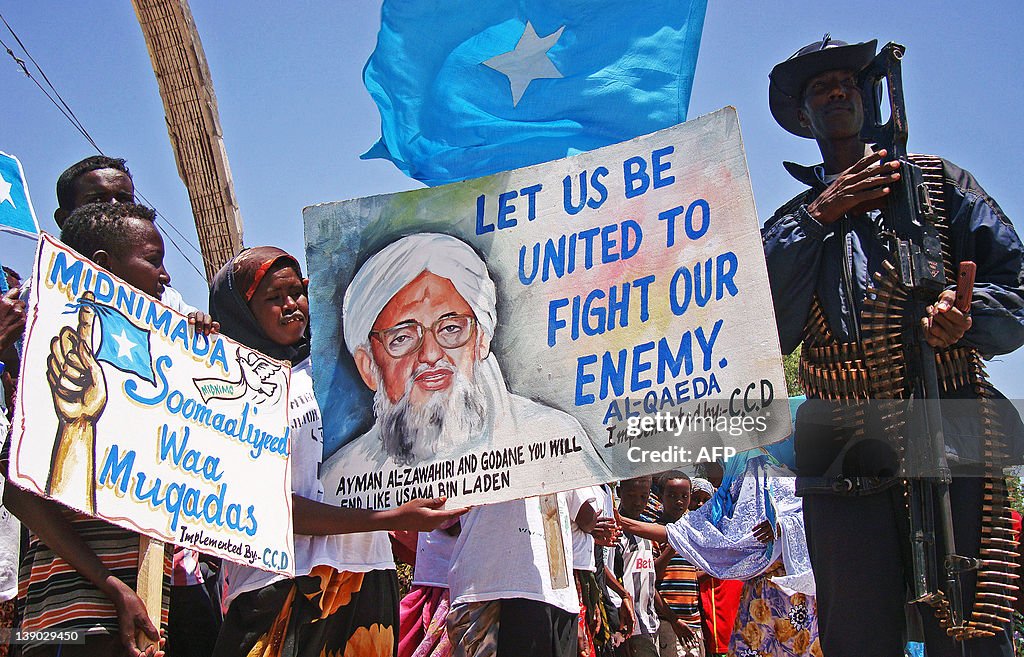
(835, 263)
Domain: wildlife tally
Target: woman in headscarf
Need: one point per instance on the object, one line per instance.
(344, 597)
(777, 610)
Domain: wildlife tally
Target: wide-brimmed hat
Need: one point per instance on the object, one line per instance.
(787, 79)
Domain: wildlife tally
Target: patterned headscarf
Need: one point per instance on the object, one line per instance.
(233, 287)
(699, 483)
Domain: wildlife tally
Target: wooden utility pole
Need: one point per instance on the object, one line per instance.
(193, 124)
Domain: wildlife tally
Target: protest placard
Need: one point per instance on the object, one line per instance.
(128, 414)
(599, 317)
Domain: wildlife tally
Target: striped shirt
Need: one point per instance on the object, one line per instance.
(652, 511)
(55, 596)
(678, 587)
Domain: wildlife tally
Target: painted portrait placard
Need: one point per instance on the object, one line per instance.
(128, 414)
(599, 317)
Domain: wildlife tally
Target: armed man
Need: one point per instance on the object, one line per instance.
(834, 257)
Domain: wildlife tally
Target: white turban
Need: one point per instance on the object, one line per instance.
(396, 265)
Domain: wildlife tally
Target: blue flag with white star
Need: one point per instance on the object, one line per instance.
(467, 88)
(122, 344)
(16, 213)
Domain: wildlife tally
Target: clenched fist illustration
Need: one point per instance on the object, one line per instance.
(79, 392)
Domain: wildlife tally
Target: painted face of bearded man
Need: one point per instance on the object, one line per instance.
(424, 349)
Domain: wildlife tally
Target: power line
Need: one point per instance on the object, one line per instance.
(69, 113)
(172, 226)
(72, 118)
(178, 248)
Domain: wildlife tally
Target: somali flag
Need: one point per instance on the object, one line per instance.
(16, 213)
(467, 88)
(122, 344)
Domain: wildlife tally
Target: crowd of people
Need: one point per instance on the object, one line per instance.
(671, 564)
(79, 571)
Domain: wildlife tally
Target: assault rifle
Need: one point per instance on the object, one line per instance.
(910, 217)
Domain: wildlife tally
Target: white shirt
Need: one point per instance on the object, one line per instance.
(433, 558)
(173, 300)
(348, 552)
(582, 542)
(501, 553)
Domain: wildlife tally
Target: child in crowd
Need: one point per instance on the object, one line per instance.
(616, 605)
(679, 632)
(701, 491)
(344, 597)
(633, 560)
(193, 617)
(80, 571)
(424, 609)
(719, 598)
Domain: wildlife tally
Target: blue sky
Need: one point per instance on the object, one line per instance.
(296, 116)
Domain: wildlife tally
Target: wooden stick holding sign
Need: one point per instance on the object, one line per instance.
(150, 585)
(554, 542)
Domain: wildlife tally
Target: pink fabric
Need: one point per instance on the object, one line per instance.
(185, 570)
(422, 616)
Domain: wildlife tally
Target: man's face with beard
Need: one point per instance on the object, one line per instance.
(426, 400)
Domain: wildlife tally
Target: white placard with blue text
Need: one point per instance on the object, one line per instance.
(127, 414)
(632, 296)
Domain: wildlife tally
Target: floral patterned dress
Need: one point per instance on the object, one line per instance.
(328, 613)
(772, 623)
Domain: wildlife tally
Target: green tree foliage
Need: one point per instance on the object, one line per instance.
(791, 364)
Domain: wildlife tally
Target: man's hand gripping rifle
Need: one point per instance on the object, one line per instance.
(909, 215)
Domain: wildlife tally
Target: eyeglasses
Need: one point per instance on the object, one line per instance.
(450, 331)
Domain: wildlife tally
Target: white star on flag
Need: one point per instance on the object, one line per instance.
(5, 193)
(125, 345)
(529, 61)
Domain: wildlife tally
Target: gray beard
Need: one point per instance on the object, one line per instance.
(409, 433)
